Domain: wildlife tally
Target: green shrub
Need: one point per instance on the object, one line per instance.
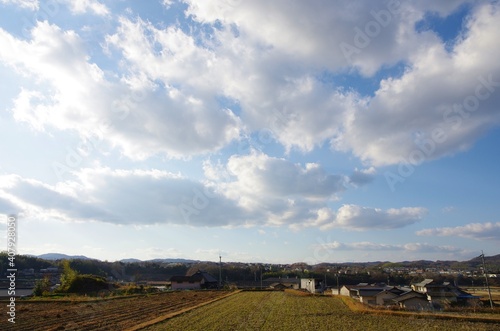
(87, 284)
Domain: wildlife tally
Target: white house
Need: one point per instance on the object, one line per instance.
(312, 285)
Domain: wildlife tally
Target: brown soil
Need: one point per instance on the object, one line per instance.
(105, 314)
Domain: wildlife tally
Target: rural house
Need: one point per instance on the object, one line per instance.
(412, 300)
(385, 297)
(198, 280)
(439, 293)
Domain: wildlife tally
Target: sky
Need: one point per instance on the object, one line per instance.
(260, 131)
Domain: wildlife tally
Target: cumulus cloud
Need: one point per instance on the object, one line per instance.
(7, 207)
(158, 197)
(313, 32)
(443, 102)
(123, 197)
(282, 192)
(173, 78)
(84, 6)
(258, 190)
(478, 231)
(133, 115)
(400, 123)
(262, 175)
(362, 177)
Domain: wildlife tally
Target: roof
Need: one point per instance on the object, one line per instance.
(425, 282)
(180, 278)
(409, 295)
(196, 277)
(282, 280)
(208, 277)
(369, 292)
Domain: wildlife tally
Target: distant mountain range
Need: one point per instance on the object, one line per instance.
(160, 261)
(60, 256)
(474, 262)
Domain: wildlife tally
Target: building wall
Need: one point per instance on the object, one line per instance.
(416, 304)
(345, 291)
(384, 296)
(308, 284)
(370, 300)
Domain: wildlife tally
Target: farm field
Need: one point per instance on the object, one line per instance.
(285, 311)
(105, 314)
(483, 292)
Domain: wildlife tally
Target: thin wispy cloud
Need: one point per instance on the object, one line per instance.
(478, 231)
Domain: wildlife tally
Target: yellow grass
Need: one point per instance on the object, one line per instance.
(276, 311)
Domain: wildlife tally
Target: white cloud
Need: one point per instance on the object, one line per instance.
(270, 68)
(313, 32)
(261, 175)
(281, 192)
(364, 218)
(84, 6)
(139, 118)
(261, 191)
(122, 197)
(28, 4)
(279, 60)
(52, 7)
(167, 3)
(362, 177)
(478, 231)
(413, 118)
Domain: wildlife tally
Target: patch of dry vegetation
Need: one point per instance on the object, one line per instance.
(276, 311)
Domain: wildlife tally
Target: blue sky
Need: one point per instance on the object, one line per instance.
(281, 131)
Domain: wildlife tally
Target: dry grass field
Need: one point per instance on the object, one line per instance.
(286, 311)
(481, 291)
(212, 310)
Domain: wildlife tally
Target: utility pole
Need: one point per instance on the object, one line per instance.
(261, 277)
(220, 272)
(338, 288)
(486, 278)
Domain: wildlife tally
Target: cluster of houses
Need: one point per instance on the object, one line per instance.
(424, 295)
(419, 296)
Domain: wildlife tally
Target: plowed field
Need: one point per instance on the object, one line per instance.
(104, 314)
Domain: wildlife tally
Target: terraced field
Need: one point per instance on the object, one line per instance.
(285, 311)
(111, 314)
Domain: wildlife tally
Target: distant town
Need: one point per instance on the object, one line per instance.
(171, 274)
